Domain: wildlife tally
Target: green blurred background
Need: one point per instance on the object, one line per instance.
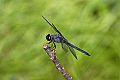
(93, 25)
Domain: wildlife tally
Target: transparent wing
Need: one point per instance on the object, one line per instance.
(72, 51)
(57, 30)
(53, 26)
(65, 47)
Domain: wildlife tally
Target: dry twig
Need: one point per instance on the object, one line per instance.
(52, 55)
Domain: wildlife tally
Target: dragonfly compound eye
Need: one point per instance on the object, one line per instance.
(48, 37)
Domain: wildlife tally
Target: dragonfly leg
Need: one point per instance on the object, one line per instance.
(49, 42)
(54, 45)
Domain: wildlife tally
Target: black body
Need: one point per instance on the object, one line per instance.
(59, 38)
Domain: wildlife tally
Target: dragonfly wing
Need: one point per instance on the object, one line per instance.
(53, 26)
(65, 47)
(72, 51)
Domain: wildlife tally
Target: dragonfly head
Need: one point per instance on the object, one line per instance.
(48, 37)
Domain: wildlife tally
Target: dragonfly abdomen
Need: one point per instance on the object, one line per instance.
(66, 42)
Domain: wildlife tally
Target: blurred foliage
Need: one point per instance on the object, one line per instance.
(93, 25)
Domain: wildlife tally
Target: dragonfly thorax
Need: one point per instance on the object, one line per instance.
(57, 38)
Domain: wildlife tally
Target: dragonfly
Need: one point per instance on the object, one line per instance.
(59, 38)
